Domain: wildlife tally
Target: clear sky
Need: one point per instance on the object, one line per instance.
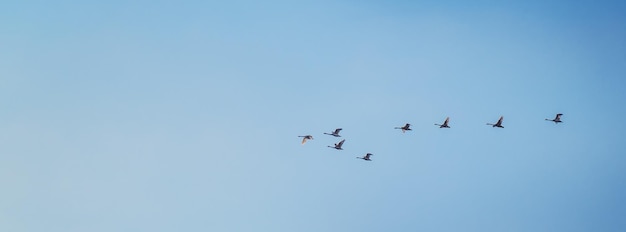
(184, 115)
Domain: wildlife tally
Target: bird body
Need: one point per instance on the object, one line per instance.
(405, 128)
(445, 123)
(335, 133)
(498, 124)
(338, 145)
(556, 119)
(366, 157)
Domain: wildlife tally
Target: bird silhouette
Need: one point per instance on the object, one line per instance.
(366, 157)
(498, 124)
(338, 145)
(556, 119)
(335, 133)
(404, 128)
(305, 138)
(445, 123)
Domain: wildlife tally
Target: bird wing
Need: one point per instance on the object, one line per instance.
(367, 156)
(304, 140)
(558, 117)
(446, 121)
(337, 131)
(340, 143)
(500, 120)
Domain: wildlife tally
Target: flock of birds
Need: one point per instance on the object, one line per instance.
(407, 127)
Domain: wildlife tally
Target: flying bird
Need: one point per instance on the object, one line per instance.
(445, 123)
(335, 133)
(404, 128)
(498, 124)
(338, 145)
(556, 119)
(305, 138)
(366, 157)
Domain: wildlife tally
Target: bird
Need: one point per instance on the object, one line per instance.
(338, 145)
(305, 138)
(366, 157)
(445, 123)
(335, 133)
(556, 119)
(404, 128)
(498, 124)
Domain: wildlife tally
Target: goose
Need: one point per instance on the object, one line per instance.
(366, 157)
(338, 145)
(335, 133)
(556, 119)
(404, 128)
(445, 123)
(305, 138)
(498, 124)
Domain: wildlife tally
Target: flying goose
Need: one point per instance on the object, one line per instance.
(404, 128)
(305, 138)
(366, 157)
(445, 123)
(338, 145)
(335, 133)
(556, 119)
(498, 124)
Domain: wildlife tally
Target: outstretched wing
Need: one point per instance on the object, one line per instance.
(337, 131)
(558, 117)
(500, 120)
(367, 156)
(446, 121)
(340, 143)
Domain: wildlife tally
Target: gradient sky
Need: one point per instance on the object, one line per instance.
(184, 115)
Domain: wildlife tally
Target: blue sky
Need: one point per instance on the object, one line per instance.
(184, 116)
